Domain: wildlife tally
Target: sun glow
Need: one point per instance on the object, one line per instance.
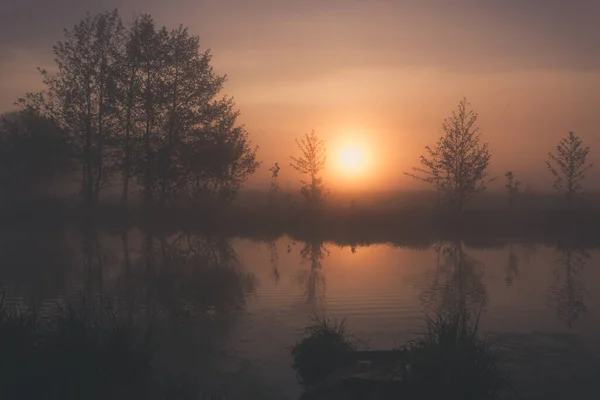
(352, 159)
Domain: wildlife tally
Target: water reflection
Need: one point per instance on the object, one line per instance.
(192, 275)
(567, 292)
(512, 266)
(456, 286)
(312, 279)
(274, 259)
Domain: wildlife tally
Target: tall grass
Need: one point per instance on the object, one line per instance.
(82, 350)
(450, 360)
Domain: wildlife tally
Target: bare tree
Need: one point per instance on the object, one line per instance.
(311, 163)
(457, 164)
(514, 188)
(568, 166)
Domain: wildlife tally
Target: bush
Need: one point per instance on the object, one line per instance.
(328, 346)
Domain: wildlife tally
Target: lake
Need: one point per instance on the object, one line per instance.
(242, 303)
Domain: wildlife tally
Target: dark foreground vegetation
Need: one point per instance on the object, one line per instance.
(82, 350)
(449, 360)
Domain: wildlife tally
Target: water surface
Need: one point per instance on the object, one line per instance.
(244, 302)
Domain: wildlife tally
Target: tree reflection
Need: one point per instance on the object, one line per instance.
(274, 259)
(195, 275)
(456, 287)
(94, 258)
(567, 292)
(512, 266)
(312, 279)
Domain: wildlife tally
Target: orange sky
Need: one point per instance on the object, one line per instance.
(383, 72)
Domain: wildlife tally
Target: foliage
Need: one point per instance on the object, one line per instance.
(33, 152)
(514, 188)
(144, 100)
(77, 98)
(457, 164)
(568, 166)
(311, 163)
(328, 346)
(451, 361)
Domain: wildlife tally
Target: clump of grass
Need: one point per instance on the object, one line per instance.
(451, 361)
(327, 347)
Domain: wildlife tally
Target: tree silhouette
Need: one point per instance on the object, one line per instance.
(311, 163)
(457, 164)
(77, 98)
(144, 100)
(568, 166)
(127, 99)
(514, 188)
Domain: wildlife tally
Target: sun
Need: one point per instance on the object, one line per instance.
(352, 159)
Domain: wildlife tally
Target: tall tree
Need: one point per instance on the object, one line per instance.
(457, 164)
(77, 97)
(311, 163)
(192, 143)
(568, 166)
(128, 82)
(151, 52)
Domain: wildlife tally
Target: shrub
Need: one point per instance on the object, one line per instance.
(327, 347)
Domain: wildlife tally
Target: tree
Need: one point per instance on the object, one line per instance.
(190, 141)
(274, 170)
(514, 188)
(144, 100)
(77, 98)
(33, 152)
(128, 81)
(457, 164)
(311, 163)
(569, 166)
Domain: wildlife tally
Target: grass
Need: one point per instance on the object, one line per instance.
(327, 347)
(82, 350)
(452, 361)
(449, 360)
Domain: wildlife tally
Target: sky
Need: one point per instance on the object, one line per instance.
(382, 74)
